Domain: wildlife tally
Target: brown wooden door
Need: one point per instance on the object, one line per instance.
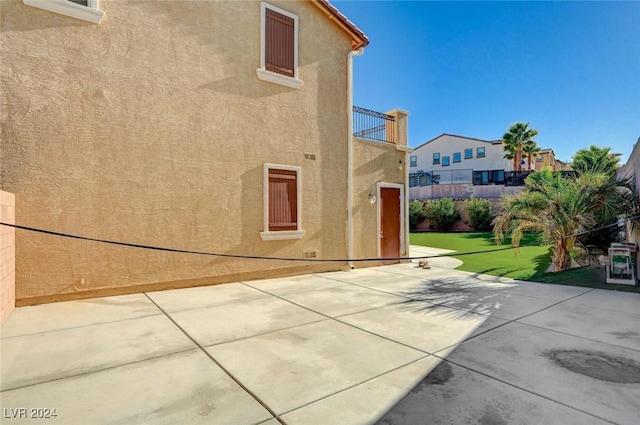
(390, 224)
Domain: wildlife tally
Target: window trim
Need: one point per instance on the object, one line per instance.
(89, 13)
(436, 161)
(413, 161)
(459, 157)
(470, 150)
(270, 235)
(478, 152)
(273, 77)
(448, 161)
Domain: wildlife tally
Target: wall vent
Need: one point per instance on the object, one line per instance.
(310, 156)
(310, 254)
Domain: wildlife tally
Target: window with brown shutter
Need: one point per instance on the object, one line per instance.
(278, 46)
(279, 43)
(283, 200)
(282, 204)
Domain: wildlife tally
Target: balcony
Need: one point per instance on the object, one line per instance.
(374, 126)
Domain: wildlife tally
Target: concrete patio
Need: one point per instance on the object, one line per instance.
(334, 348)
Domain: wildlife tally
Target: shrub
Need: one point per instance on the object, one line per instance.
(442, 214)
(416, 214)
(480, 215)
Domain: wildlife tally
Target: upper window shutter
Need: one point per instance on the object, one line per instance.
(283, 200)
(279, 43)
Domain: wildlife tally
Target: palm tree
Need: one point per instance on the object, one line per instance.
(514, 141)
(532, 149)
(596, 158)
(613, 199)
(559, 208)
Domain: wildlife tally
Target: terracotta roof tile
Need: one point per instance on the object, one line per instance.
(358, 38)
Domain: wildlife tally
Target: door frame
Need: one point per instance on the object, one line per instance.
(379, 216)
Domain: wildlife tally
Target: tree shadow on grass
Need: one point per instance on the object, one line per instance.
(542, 263)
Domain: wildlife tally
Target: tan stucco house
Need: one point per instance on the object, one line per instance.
(632, 170)
(214, 126)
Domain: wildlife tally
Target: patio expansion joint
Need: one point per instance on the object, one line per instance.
(357, 384)
(336, 319)
(225, 370)
(470, 369)
(411, 299)
(91, 372)
(80, 326)
(519, 318)
(301, 291)
(324, 319)
(579, 337)
(239, 301)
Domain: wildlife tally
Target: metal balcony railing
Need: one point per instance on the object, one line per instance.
(372, 125)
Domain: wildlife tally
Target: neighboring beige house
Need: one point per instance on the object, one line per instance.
(460, 167)
(214, 126)
(547, 158)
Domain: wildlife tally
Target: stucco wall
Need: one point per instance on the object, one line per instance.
(152, 128)
(632, 169)
(7, 255)
(374, 162)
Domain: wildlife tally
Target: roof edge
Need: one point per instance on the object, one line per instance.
(461, 137)
(358, 38)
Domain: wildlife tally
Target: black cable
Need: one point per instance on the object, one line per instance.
(260, 257)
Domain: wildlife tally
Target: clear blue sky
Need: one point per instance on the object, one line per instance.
(571, 69)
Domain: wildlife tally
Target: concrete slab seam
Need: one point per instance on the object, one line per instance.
(90, 372)
(373, 289)
(523, 389)
(360, 383)
(81, 326)
(267, 332)
(356, 327)
(578, 336)
(248, 284)
(236, 380)
(519, 318)
(239, 301)
(421, 301)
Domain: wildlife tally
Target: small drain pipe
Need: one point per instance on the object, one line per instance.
(350, 56)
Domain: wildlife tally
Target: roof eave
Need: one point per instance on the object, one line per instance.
(358, 38)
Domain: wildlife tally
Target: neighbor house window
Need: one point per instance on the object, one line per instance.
(468, 153)
(480, 153)
(436, 158)
(456, 157)
(480, 177)
(488, 177)
(282, 213)
(278, 46)
(445, 161)
(87, 10)
(414, 161)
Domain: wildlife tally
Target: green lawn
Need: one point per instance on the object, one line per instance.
(524, 263)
